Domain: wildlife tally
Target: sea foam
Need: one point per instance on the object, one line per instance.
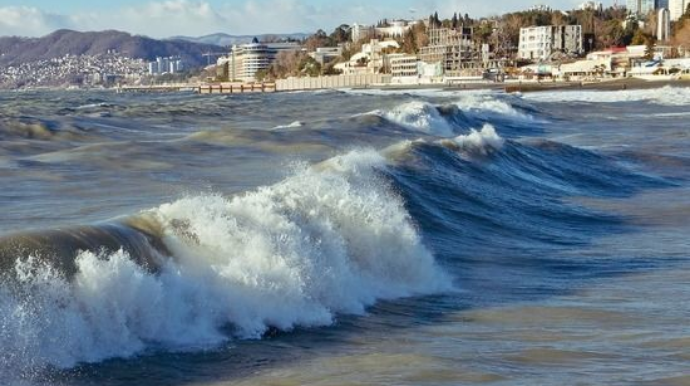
(420, 116)
(331, 239)
(667, 96)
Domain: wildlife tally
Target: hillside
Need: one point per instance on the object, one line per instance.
(16, 50)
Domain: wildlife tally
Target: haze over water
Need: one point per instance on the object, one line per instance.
(332, 238)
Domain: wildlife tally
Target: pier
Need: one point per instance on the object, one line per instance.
(202, 88)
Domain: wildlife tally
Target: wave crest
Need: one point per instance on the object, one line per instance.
(329, 240)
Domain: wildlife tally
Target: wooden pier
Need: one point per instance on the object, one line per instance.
(235, 88)
(203, 88)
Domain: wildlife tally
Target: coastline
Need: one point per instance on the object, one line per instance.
(609, 85)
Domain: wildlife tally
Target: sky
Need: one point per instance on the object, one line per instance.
(166, 18)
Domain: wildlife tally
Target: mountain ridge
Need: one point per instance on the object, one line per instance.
(16, 50)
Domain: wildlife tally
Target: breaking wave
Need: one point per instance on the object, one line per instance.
(332, 239)
(447, 120)
(419, 116)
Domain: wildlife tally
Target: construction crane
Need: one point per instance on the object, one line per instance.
(208, 56)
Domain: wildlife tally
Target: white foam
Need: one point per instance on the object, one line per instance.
(486, 105)
(330, 239)
(667, 96)
(293, 125)
(420, 116)
(479, 141)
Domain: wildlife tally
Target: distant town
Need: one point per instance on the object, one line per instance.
(646, 39)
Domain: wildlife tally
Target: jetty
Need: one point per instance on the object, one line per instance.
(201, 88)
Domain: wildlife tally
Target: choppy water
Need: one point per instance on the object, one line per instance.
(342, 238)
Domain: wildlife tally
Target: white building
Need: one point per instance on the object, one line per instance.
(677, 8)
(370, 60)
(247, 59)
(641, 7)
(591, 6)
(169, 65)
(408, 69)
(359, 32)
(663, 25)
(395, 28)
(404, 66)
(539, 43)
(325, 55)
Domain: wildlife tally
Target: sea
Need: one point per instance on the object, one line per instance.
(349, 237)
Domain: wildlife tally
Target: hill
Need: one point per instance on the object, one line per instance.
(17, 50)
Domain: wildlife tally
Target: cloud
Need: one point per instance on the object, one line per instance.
(169, 18)
(165, 18)
(31, 21)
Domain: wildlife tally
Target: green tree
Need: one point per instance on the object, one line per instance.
(310, 67)
(640, 38)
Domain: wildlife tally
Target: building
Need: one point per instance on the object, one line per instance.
(640, 7)
(404, 66)
(663, 25)
(408, 69)
(325, 55)
(591, 6)
(359, 32)
(453, 48)
(644, 7)
(246, 60)
(677, 8)
(370, 60)
(539, 43)
(395, 28)
(169, 65)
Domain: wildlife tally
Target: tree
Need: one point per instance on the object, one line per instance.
(640, 38)
(340, 35)
(613, 34)
(483, 33)
(649, 50)
(319, 39)
(309, 66)
(329, 69)
(682, 35)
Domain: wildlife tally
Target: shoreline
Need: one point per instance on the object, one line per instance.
(510, 87)
(608, 85)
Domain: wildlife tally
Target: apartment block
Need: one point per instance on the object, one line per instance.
(539, 43)
(247, 59)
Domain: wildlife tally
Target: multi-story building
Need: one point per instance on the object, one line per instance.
(246, 60)
(359, 32)
(453, 48)
(324, 55)
(539, 43)
(677, 8)
(395, 28)
(169, 65)
(644, 7)
(663, 25)
(403, 66)
(370, 60)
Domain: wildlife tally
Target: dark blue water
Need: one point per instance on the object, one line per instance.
(421, 238)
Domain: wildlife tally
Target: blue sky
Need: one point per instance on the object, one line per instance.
(164, 18)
